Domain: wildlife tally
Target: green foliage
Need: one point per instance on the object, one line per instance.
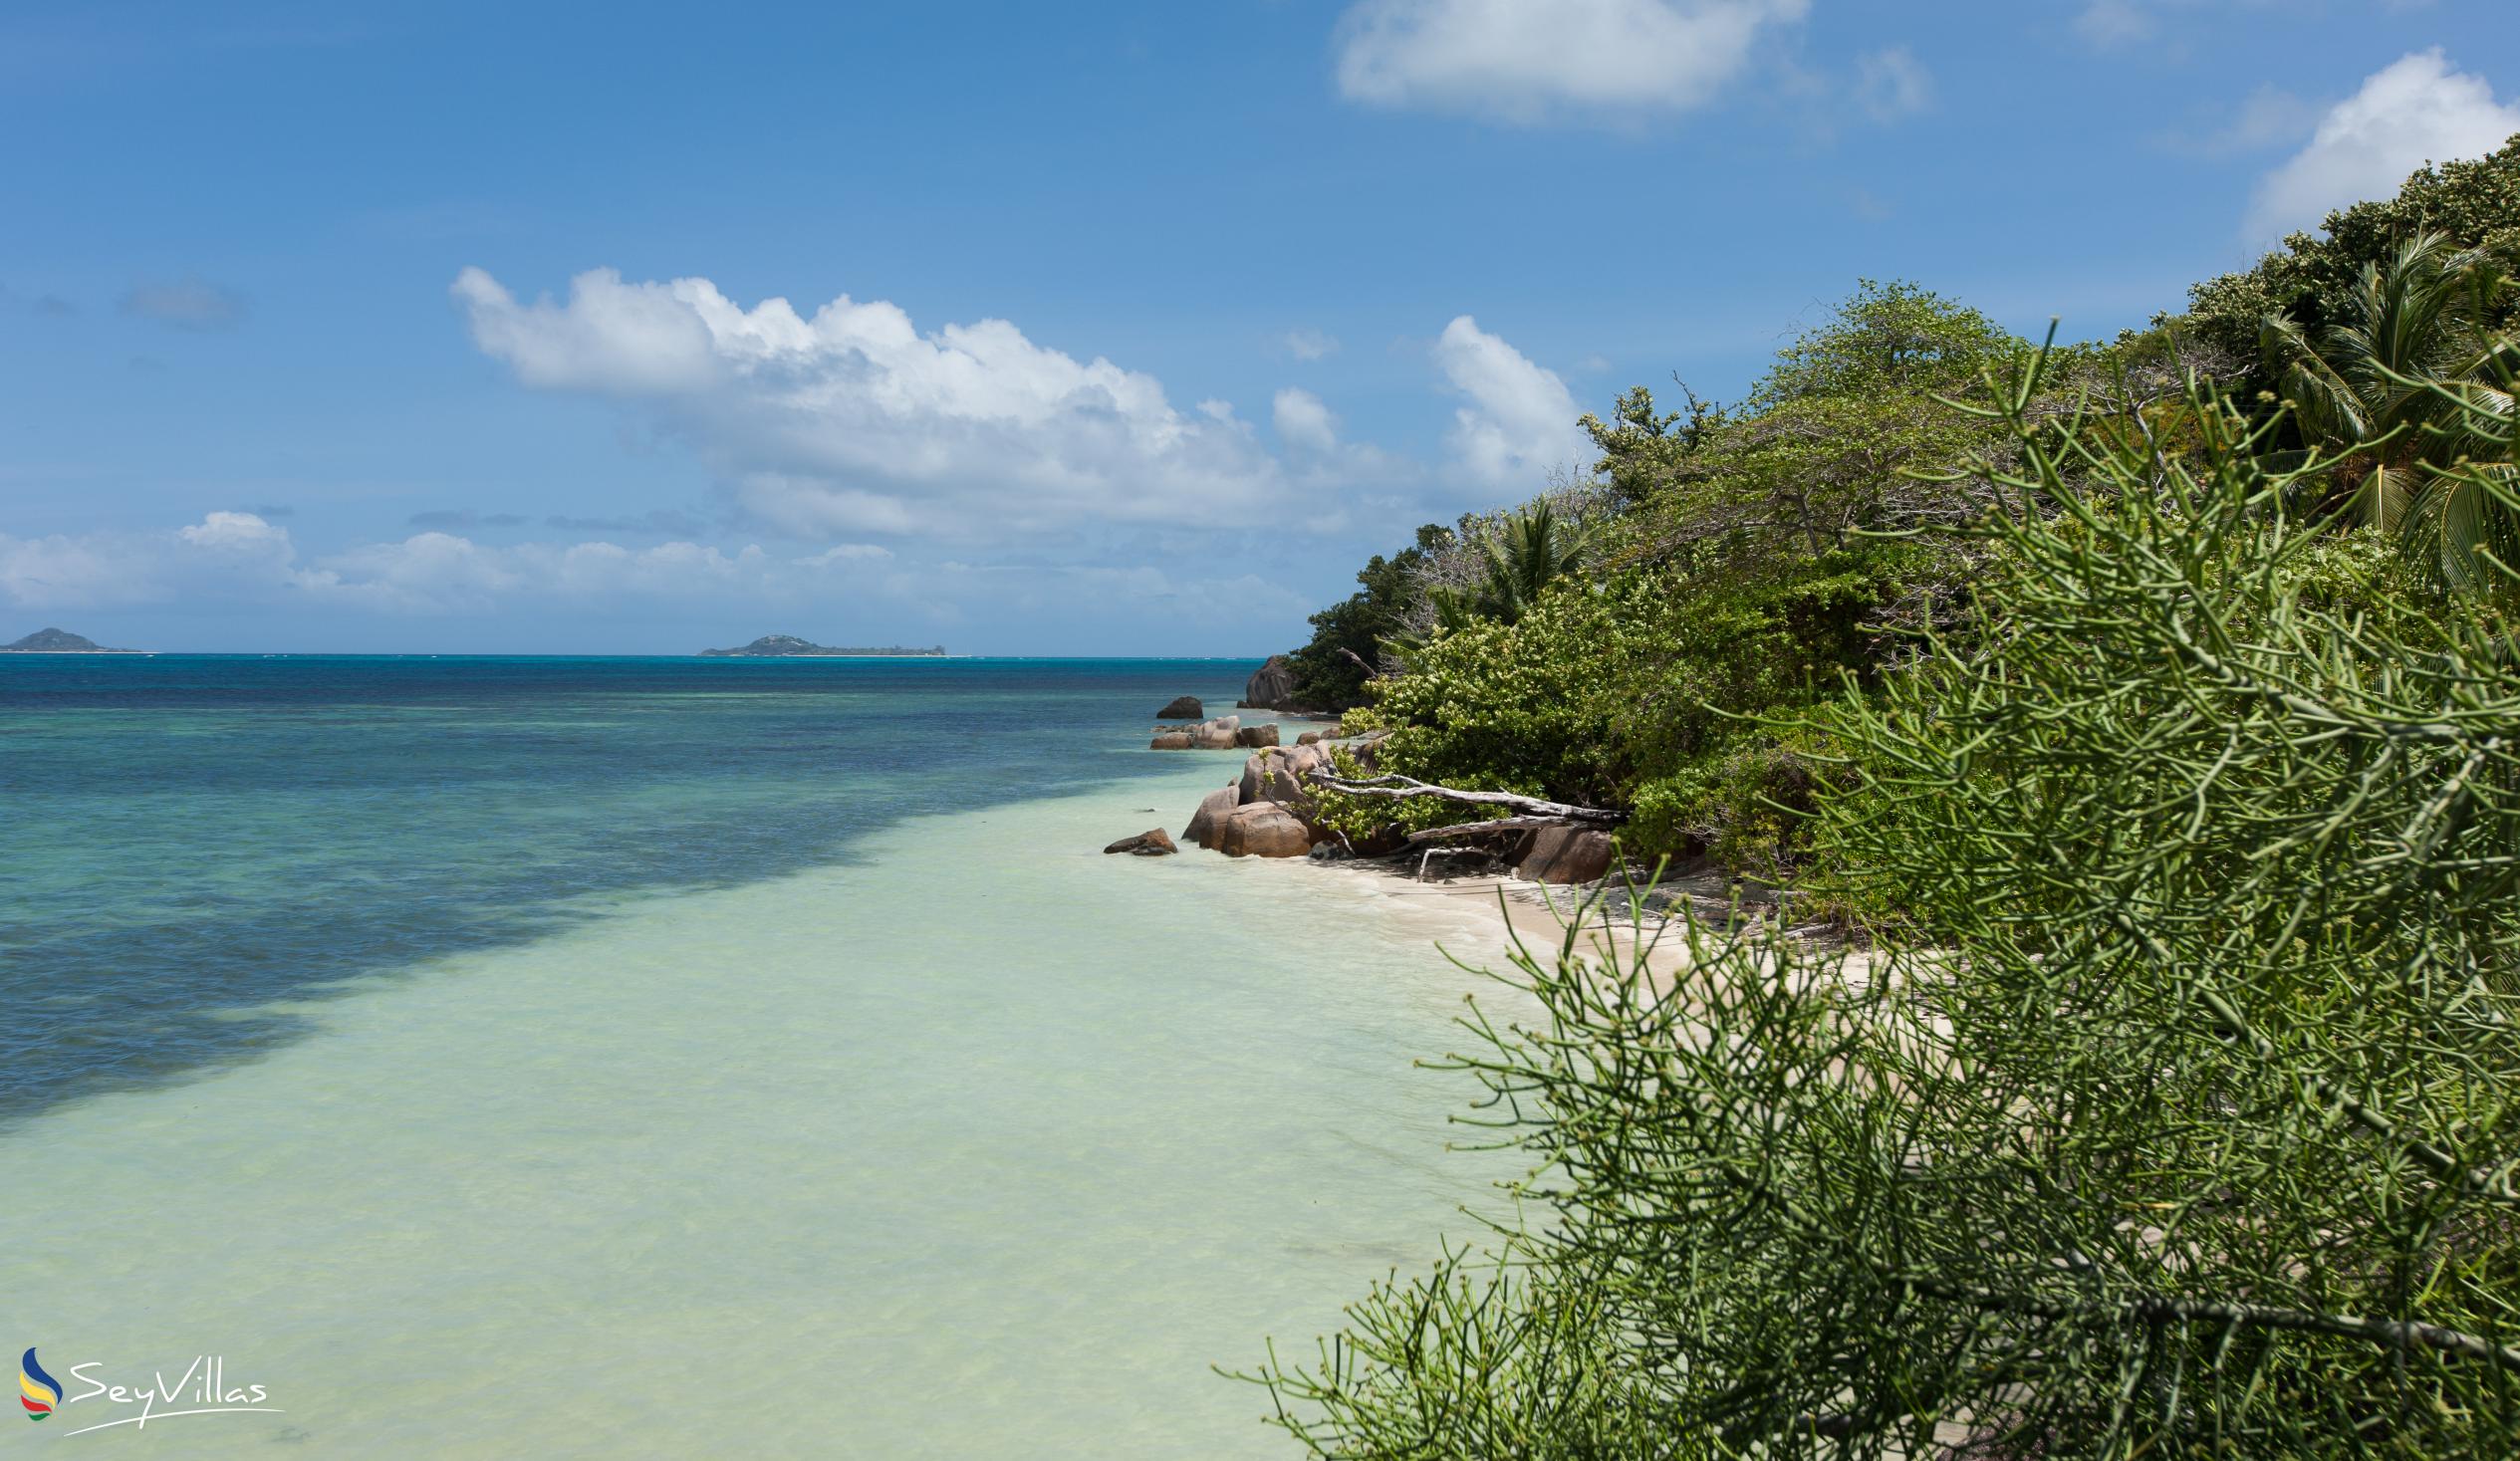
(1805, 478)
(1753, 578)
(2367, 383)
(2184, 1121)
(1529, 706)
(1517, 561)
(1643, 445)
(1631, 693)
(1363, 820)
(1745, 807)
(1895, 336)
(1348, 641)
(2473, 204)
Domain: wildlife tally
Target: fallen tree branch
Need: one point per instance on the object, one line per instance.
(1470, 829)
(1401, 788)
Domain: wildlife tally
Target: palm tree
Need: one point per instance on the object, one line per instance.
(2382, 383)
(1515, 563)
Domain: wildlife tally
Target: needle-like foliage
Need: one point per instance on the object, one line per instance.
(2177, 1115)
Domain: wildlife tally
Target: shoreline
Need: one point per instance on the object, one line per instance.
(1623, 916)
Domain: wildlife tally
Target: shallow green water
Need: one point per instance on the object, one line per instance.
(954, 1139)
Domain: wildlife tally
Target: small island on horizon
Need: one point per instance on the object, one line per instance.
(58, 641)
(774, 646)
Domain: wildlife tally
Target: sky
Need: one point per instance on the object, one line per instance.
(1095, 328)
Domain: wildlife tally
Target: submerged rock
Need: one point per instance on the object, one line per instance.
(1183, 707)
(1154, 842)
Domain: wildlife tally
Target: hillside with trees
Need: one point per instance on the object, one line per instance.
(2147, 714)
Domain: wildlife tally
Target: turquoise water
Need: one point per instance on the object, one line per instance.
(502, 1058)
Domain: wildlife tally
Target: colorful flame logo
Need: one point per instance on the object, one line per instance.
(37, 1391)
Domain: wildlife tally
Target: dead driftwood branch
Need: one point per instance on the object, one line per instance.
(1401, 788)
(1468, 830)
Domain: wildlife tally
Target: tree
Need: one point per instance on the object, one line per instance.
(2474, 204)
(1642, 446)
(1347, 648)
(1895, 336)
(2365, 387)
(2175, 1117)
(1516, 561)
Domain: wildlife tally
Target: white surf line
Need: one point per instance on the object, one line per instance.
(144, 1419)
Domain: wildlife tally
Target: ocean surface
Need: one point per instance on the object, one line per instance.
(627, 1058)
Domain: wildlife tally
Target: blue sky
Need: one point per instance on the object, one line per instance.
(442, 327)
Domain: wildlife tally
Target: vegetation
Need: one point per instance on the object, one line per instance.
(2369, 383)
(2149, 709)
(2470, 204)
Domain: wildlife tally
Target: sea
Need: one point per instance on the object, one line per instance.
(516, 1057)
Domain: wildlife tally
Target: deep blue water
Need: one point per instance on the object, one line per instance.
(185, 840)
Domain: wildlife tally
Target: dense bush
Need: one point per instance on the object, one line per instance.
(2180, 1120)
(2472, 204)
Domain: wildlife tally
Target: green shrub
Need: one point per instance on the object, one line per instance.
(2180, 1121)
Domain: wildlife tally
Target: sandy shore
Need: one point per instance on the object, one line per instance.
(1478, 920)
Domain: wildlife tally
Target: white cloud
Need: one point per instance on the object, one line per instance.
(1303, 422)
(2113, 23)
(1520, 425)
(2414, 111)
(61, 572)
(1309, 344)
(1893, 84)
(231, 557)
(241, 532)
(1526, 62)
(853, 420)
(841, 552)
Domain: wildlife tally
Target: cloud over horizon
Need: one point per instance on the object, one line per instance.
(231, 557)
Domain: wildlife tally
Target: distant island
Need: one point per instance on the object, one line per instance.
(771, 646)
(58, 641)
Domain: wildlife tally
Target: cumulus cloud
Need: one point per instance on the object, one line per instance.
(1893, 84)
(1526, 63)
(2412, 112)
(1519, 425)
(852, 419)
(1309, 344)
(190, 302)
(1303, 422)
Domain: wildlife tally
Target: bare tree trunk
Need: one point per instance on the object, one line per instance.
(1401, 788)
